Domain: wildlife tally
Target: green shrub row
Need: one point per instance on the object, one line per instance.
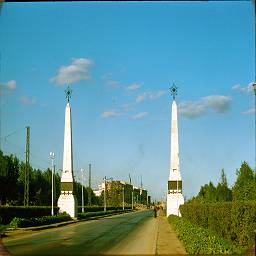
(38, 221)
(86, 215)
(198, 240)
(7, 213)
(99, 208)
(235, 221)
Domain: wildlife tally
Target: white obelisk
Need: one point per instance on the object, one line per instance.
(174, 195)
(67, 201)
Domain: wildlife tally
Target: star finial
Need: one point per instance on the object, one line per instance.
(174, 90)
(68, 93)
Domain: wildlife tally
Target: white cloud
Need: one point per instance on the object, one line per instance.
(218, 103)
(128, 107)
(113, 84)
(141, 97)
(140, 115)
(26, 100)
(149, 95)
(110, 82)
(191, 109)
(249, 111)
(77, 71)
(133, 87)
(240, 88)
(110, 113)
(156, 95)
(11, 84)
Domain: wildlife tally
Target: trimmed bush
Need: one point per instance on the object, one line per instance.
(198, 240)
(7, 213)
(39, 221)
(235, 221)
(99, 213)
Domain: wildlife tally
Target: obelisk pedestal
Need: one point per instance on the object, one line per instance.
(174, 195)
(67, 201)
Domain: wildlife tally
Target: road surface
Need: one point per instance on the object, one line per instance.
(131, 233)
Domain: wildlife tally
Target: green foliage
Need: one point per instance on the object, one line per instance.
(7, 213)
(99, 208)
(38, 221)
(2, 229)
(211, 194)
(198, 240)
(245, 185)
(12, 173)
(93, 214)
(235, 221)
(9, 173)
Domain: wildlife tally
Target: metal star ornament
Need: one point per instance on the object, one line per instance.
(174, 90)
(68, 93)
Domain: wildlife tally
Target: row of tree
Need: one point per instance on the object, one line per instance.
(12, 185)
(244, 188)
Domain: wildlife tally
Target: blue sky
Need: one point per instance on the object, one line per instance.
(120, 59)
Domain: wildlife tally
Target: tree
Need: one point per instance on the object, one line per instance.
(223, 193)
(207, 193)
(245, 185)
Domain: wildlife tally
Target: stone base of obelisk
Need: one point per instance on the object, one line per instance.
(173, 203)
(68, 203)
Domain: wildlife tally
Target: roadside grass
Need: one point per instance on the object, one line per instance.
(198, 240)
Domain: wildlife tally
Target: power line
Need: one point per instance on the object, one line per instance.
(14, 132)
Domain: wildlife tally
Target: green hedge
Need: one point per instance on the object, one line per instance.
(198, 240)
(235, 221)
(86, 215)
(39, 221)
(7, 213)
(99, 208)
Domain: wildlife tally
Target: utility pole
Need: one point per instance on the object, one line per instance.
(105, 203)
(82, 171)
(123, 197)
(52, 156)
(26, 176)
(54, 183)
(141, 189)
(90, 190)
(132, 198)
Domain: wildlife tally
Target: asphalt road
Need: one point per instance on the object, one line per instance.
(103, 236)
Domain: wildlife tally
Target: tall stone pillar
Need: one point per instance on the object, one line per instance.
(67, 201)
(174, 195)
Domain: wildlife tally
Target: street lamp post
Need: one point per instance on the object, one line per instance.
(52, 156)
(82, 171)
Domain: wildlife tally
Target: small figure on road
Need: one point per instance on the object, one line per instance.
(155, 211)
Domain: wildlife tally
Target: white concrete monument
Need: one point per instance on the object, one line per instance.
(67, 201)
(174, 195)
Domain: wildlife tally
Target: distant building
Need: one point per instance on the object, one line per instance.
(100, 189)
(117, 191)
